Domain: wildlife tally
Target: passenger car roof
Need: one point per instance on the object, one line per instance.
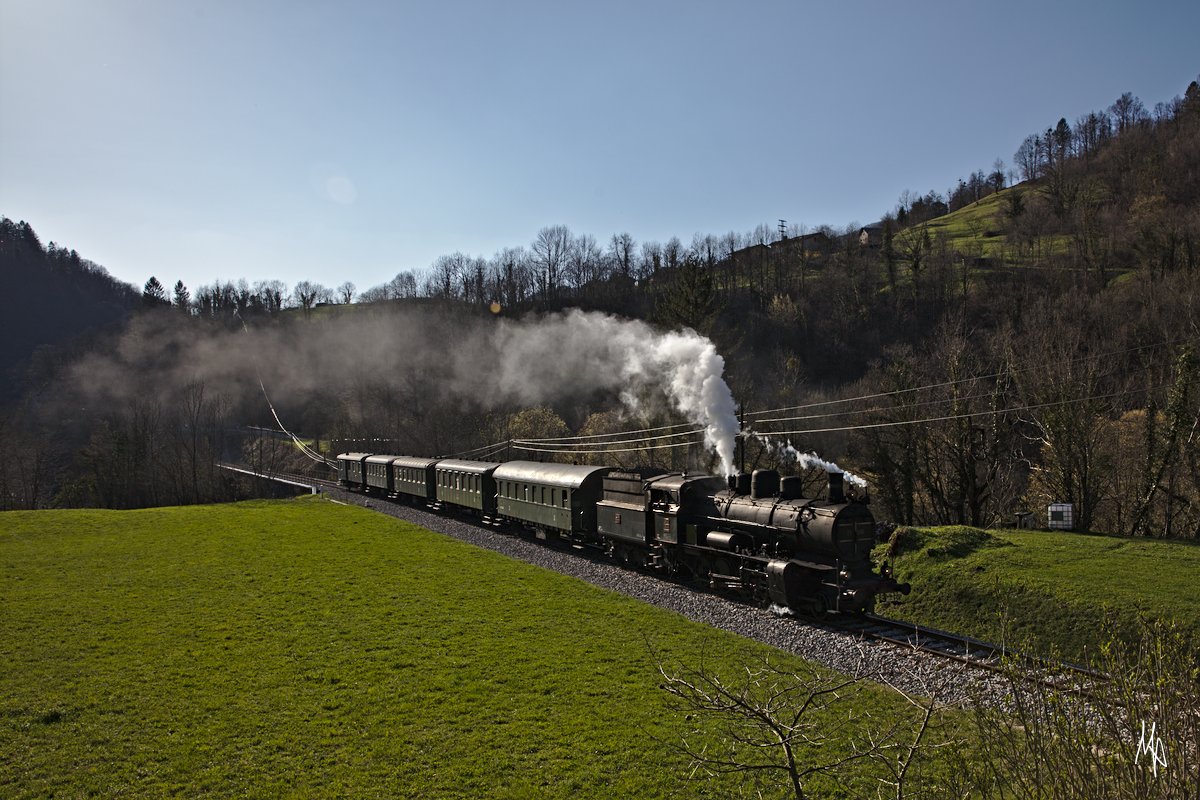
(569, 476)
(471, 467)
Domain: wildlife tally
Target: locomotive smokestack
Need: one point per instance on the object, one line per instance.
(764, 483)
(790, 488)
(837, 492)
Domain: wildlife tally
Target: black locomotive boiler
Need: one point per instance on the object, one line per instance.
(753, 535)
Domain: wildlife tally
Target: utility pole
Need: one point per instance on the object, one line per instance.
(783, 230)
(742, 438)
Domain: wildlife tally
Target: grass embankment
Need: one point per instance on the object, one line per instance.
(302, 648)
(1054, 589)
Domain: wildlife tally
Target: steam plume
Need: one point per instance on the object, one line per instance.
(458, 361)
(808, 460)
(629, 357)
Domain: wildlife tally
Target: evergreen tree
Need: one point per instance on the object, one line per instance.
(153, 293)
(182, 297)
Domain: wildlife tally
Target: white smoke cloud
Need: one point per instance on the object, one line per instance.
(574, 356)
(538, 359)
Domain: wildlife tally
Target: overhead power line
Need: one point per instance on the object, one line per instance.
(877, 395)
(481, 453)
(967, 415)
(618, 440)
(918, 404)
(519, 446)
(601, 435)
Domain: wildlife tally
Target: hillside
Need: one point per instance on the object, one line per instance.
(55, 298)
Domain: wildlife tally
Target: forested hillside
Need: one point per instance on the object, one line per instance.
(54, 296)
(974, 354)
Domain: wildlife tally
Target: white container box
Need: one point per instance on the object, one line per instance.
(1060, 516)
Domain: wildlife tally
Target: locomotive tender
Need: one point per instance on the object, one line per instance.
(753, 534)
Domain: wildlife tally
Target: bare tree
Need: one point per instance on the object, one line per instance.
(549, 252)
(1030, 157)
(1165, 451)
(271, 294)
(1135, 736)
(585, 261)
(403, 286)
(511, 276)
(198, 423)
(779, 727)
(914, 246)
(1066, 416)
(620, 249)
(26, 471)
(672, 253)
(346, 292)
(306, 294)
(1127, 111)
(651, 260)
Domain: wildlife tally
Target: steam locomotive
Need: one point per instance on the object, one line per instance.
(752, 535)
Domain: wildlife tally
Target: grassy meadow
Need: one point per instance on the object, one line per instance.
(307, 649)
(976, 230)
(1053, 588)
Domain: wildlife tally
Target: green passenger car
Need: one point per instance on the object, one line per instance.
(551, 497)
(468, 484)
(351, 470)
(414, 477)
(379, 473)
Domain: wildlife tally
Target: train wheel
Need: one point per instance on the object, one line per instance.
(818, 605)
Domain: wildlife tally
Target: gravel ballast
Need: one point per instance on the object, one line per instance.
(907, 670)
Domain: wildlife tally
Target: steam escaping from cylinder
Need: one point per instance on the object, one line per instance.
(788, 453)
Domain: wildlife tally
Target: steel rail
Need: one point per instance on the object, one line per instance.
(1054, 674)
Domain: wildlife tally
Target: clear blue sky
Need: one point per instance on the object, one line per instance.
(206, 139)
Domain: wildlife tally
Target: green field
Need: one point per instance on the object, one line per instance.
(307, 649)
(1054, 589)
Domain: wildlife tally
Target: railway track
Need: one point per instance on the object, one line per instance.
(952, 646)
(978, 654)
(966, 650)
